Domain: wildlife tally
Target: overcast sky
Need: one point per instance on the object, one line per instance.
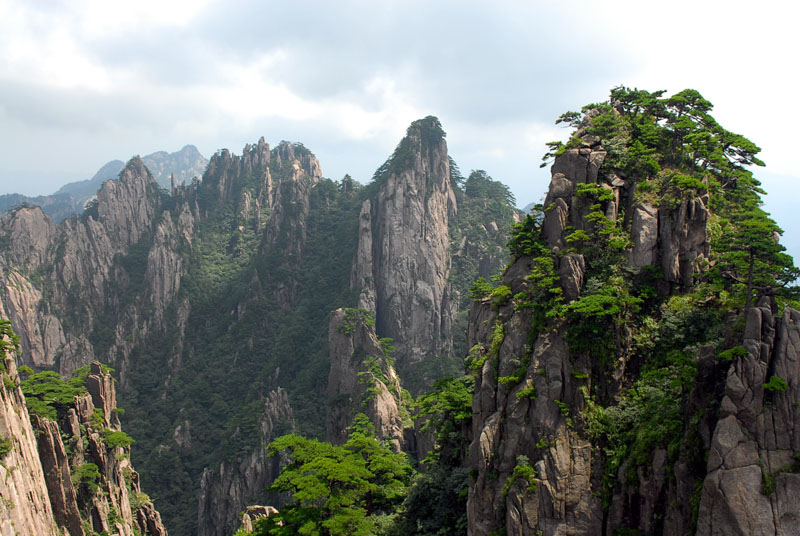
(83, 82)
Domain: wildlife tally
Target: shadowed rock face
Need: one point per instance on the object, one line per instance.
(751, 486)
(402, 265)
(361, 380)
(38, 491)
(538, 417)
(228, 489)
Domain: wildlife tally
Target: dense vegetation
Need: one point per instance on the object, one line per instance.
(230, 366)
(259, 305)
(364, 488)
(670, 151)
(631, 323)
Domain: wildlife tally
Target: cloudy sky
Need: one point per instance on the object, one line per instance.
(83, 82)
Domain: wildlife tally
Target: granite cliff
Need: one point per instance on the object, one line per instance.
(212, 302)
(68, 471)
(624, 383)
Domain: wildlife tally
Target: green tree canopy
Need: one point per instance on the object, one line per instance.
(336, 490)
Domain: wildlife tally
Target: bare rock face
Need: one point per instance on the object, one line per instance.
(683, 239)
(28, 233)
(76, 258)
(41, 334)
(402, 265)
(644, 233)
(181, 166)
(752, 486)
(253, 514)
(38, 490)
(361, 379)
(226, 491)
(126, 206)
(55, 465)
(528, 392)
(78, 271)
(290, 206)
(25, 507)
(525, 423)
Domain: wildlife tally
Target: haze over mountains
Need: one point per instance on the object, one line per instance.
(71, 198)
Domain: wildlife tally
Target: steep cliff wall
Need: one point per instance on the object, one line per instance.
(77, 290)
(25, 506)
(403, 263)
(532, 384)
(208, 298)
(71, 475)
(622, 383)
(240, 278)
(226, 491)
(752, 486)
(362, 380)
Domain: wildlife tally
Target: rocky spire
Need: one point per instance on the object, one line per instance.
(402, 265)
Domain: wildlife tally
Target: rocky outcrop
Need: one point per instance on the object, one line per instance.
(530, 391)
(75, 259)
(182, 166)
(56, 467)
(42, 337)
(114, 501)
(402, 266)
(361, 379)
(527, 419)
(253, 514)
(683, 241)
(228, 489)
(48, 486)
(96, 273)
(287, 226)
(25, 506)
(752, 486)
(27, 233)
(644, 234)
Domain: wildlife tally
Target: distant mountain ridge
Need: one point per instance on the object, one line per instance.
(70, 199)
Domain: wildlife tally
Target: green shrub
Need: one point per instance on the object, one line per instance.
(352, 317)
(5, 446)
(480, 289)
(113, 439)
(86, 474)
(523, 473)
(501, 295)
(776, 384)
(732, 353)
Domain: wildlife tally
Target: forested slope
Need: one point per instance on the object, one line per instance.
(212, 300)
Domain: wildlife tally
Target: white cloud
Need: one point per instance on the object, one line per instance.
(101, 80)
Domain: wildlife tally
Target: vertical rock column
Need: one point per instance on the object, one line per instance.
(24, 502)
(403, 262)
